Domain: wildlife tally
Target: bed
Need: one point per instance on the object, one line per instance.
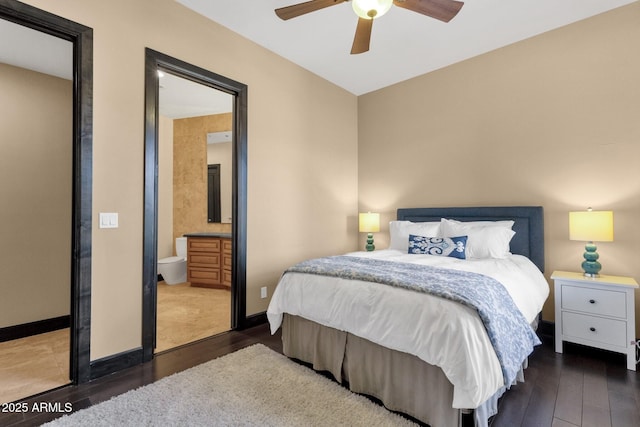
(433, 354)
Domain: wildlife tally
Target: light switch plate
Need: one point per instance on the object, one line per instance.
(108, 220)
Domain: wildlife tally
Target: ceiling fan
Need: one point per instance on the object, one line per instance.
(367, 10)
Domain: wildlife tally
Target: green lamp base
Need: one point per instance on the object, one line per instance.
(370, 246)
(590, 265)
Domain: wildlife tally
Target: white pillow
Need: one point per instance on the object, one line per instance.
(485, 239)
(399, 232)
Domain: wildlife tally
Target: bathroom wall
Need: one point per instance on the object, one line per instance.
(35, 196)
(190, 173)
(166, 241)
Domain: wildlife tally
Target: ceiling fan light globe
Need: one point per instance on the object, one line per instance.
(368, 9)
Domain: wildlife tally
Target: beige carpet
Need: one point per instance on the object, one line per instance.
(186, 314)
(41, 362)
(34, 364)
(254, 386)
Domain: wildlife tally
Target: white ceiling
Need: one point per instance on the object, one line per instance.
(180, 98)
(404, 44)
(34, 50)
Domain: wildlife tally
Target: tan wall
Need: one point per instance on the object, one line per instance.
(551, 121)
(302, 153)
(190, 173)
(35, 195)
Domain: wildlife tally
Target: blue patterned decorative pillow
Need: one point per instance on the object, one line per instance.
(442, 246)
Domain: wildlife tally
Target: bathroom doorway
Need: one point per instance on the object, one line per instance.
(191, 118)
(45, 136)
(190, 131)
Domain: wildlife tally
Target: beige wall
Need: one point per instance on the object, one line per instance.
(35, 195)
(302, 153)
(551, 121)
(190, 153)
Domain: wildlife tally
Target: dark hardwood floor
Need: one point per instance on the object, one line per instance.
(164, 364)
(581, 387)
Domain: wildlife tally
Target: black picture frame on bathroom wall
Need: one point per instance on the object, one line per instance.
(155, 61)
(82, 39)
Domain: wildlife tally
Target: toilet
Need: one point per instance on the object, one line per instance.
(174, 268)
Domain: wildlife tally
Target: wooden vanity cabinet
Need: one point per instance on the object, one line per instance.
(209, 262)
(226, 262)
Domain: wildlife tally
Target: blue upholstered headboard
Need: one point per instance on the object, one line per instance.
(528, 224)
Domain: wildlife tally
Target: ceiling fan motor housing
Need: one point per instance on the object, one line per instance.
(368, 9)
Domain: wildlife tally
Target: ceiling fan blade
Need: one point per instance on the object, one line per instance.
(362, 37)
(296, 10)
(443, 10)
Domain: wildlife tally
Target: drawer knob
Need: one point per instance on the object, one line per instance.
(592, 329)
(592, 301)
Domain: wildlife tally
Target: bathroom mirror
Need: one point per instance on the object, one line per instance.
(48, 51)
(219, 176)
(233, 119)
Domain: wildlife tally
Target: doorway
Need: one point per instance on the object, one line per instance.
(192, 302)
(156, 61)
(75, 265)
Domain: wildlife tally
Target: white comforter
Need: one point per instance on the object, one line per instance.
(438, 331)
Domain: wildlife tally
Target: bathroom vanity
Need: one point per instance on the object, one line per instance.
(209, 260)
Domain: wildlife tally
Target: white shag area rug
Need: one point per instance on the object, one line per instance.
(254, 386)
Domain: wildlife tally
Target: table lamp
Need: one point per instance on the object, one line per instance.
(591, 226)
(369, 223)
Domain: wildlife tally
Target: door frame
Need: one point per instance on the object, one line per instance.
(155, 61)
(82, 39)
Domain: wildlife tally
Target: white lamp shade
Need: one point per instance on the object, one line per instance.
(363, 8)
(369, 222)
(591, 226)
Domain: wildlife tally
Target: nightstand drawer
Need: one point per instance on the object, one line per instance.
(594, 301)
(608, 331)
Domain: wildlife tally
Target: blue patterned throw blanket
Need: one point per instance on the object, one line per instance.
(512, 337)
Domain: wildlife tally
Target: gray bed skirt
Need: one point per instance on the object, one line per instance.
(402, 382)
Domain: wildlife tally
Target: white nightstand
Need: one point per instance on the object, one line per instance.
(598, 312)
